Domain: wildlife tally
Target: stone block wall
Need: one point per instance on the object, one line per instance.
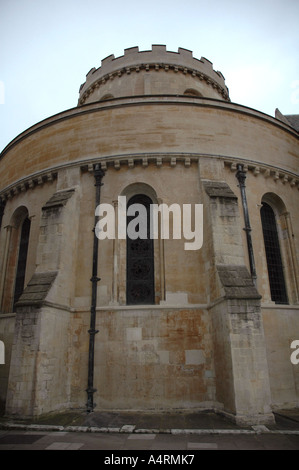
(38, 380)
(146, 358)
(281, 325)
(7, 325)
(241, 369)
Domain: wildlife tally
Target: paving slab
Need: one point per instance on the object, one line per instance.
(137, 422)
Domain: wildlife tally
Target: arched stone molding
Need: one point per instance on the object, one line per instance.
(10, 258)
(120, 251)
(192, 92)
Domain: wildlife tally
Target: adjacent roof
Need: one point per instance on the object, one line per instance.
(294, 120)
(290, 119)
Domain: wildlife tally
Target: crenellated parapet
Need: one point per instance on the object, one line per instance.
(134, 73)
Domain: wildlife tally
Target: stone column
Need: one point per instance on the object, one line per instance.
(293, 264)
(115, 259)
(161, 259)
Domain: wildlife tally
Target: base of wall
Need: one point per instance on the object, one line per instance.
(241, 420)
(76, 415)
(248, 420)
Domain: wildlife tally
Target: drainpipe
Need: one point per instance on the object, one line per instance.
(241, 176)
(98, 175)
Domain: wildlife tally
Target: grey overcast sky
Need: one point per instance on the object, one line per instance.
(48, 46)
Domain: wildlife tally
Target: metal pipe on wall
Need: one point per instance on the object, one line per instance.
(98, 175)
(241, 177)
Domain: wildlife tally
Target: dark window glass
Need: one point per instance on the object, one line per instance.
(22, 259)
(2, 205)
(140, 257)
(273, 255)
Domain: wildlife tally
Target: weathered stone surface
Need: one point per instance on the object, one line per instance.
(218, 189)
(202, 343)
(237, 282)
(37, 289)
(58, 199)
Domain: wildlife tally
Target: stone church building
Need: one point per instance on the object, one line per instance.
(108, 323)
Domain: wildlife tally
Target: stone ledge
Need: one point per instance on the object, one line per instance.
(237, 282)
(58, 199)
(37, 289)
(218, 189)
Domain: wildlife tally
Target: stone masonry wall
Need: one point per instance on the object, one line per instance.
(40, 370)
(7, 325)
(146, 358)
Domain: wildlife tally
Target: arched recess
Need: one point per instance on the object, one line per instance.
(14, 269)
(279, 250)
(133, 192)
(106, 97)
(192, 92)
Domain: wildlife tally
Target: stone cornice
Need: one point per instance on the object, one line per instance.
(267, 171)
(27, 183)
(115, 163)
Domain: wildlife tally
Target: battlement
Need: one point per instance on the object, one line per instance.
(157, 58)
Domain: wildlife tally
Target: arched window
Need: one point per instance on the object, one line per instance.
(2, 205)
(14, 259)
(140, 252)
(22, 260)
(273, 255)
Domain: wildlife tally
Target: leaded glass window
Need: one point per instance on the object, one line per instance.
(22, 260)
(140, 255)
(273, 255)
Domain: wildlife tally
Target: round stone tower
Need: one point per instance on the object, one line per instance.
(132, 75)
(199, 313)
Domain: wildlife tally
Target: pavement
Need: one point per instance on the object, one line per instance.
(148, 431)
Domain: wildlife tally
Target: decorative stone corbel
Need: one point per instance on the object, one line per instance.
(267, 173)
(276, 176)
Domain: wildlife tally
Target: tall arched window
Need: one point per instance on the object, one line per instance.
(14, 259)
(140, 252)
(2, 205)
(273, 255)
(22, 260)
